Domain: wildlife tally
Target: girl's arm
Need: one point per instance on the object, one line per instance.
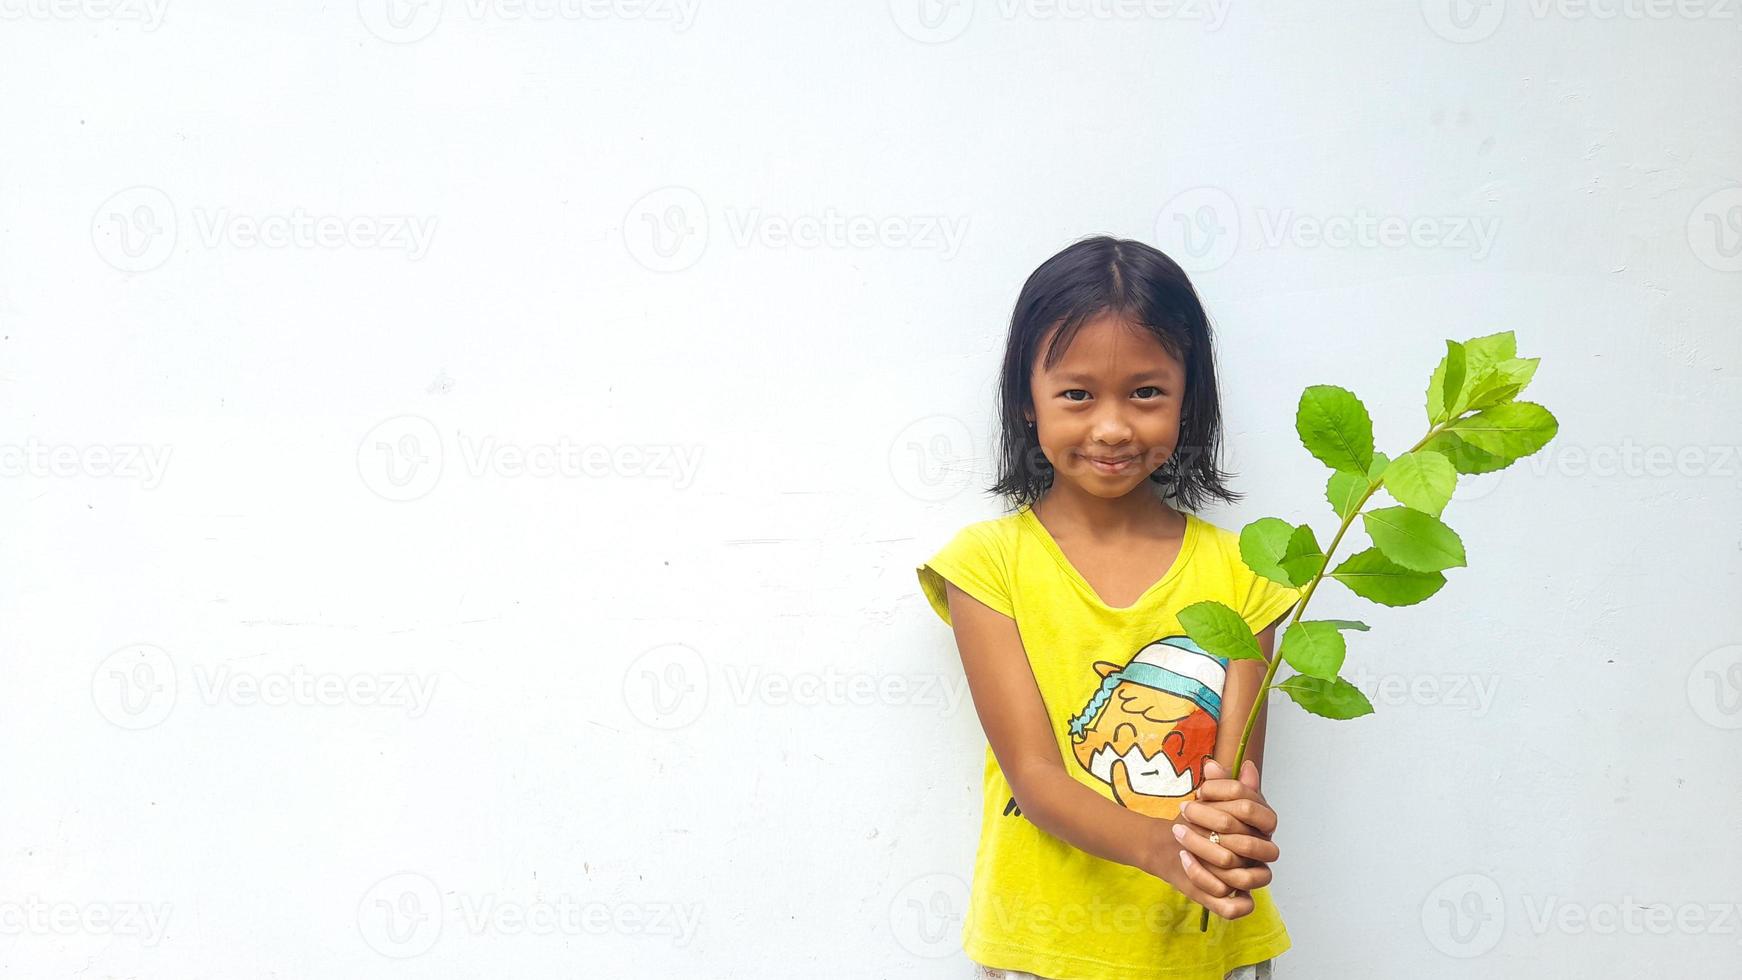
(1013, 715)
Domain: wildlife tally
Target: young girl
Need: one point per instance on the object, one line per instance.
(1108, 822)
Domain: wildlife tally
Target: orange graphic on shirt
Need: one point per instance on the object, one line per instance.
(1149, 725)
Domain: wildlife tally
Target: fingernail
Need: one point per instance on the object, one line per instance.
(1182, 811)
(1185, 859)
(1217, 766)
(1179, 833)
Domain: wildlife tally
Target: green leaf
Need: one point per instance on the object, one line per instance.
(1423, 480)
(1452, 385)
(1478, 356)
(1303, 558)
(1494, 347)
(1337, 699)
(1501, 383)
(1345, 624)
(1345, 489)
(1262, 543)
(1413, 539)
(1464, 457)
(1509, 431)
(1220, 630)
(1335, 428)
(1371, 575)
(1314, 647)
(1377, 470)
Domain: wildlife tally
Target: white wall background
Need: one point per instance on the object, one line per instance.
(308, 674)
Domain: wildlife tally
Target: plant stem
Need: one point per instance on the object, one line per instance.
(1299, 608)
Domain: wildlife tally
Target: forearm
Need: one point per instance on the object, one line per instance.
(1088, 821)
(1245, 679)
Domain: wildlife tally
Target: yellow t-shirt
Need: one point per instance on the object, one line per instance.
(1106, 674)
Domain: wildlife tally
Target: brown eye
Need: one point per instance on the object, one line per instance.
(1158, 391)
(1068, 394)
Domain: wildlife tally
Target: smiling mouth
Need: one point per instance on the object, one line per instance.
(1110, 464)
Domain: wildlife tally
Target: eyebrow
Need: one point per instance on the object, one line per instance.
(1156, 375)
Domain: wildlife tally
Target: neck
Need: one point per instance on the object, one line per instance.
(1067, 507)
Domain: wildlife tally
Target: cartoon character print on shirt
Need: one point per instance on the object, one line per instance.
(1149, 725)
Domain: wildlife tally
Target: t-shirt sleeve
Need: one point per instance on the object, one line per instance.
(976, 565)
(1264, 600)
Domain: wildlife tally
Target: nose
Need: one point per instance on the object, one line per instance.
(1110, 427)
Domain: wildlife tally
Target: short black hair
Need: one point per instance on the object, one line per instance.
(1090, 277)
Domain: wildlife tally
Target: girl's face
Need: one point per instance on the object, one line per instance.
(1107, 415)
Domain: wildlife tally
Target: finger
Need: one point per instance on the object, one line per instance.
(1246, 848)
(1209, 891)
(1201, 878)
(1215, 816)
(1245, 879)
(1205, 851)
(1249, 773)
(1260, 818)
(1229, 789)
(1241, 879)
(1227, 850)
